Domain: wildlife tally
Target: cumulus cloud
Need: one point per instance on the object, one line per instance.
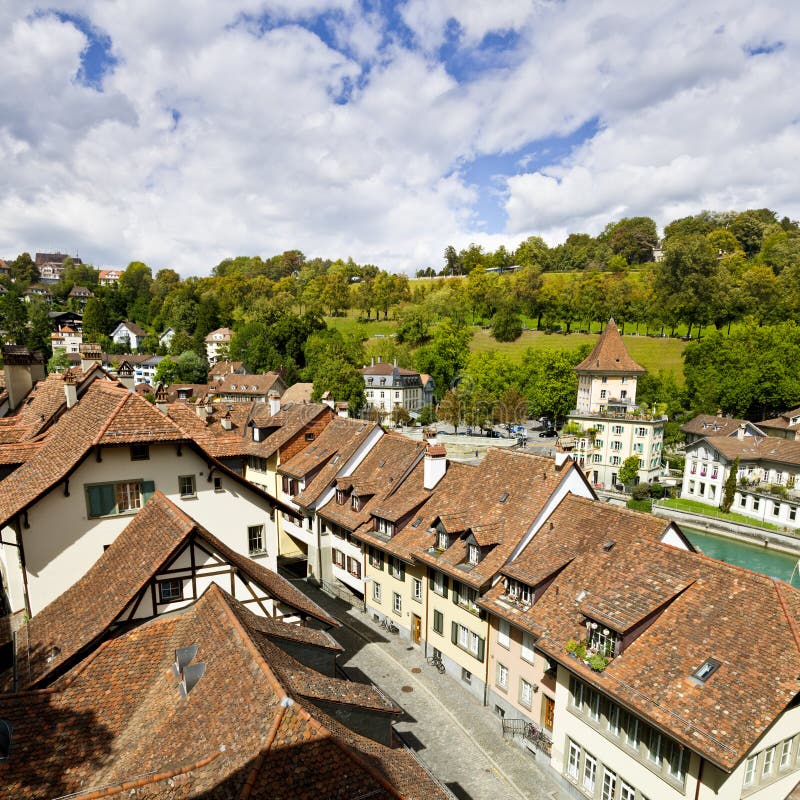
(261, 125)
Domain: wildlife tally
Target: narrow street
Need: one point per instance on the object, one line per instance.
(458, 739)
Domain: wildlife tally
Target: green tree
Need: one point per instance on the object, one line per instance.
(59, 361)
(400, 416)
(23, 270)
(427, 416)
(506, 325)
(343, 381)
(167, 371)
(192, 368)
(414, 325)
(533, 254)
(549, 380)
(37, 336)
(633, 238)
(729, 489)
(134, 288)
(629, 471)
(14, 316)
(451, 408)
(511, 408)
(95, 319)
(446, 354)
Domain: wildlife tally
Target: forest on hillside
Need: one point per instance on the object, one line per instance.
(714, 270)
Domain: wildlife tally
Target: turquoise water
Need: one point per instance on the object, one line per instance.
(759, 559)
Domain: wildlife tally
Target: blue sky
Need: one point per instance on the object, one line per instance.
(183, 133)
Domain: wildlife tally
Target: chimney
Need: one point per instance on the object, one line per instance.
(70, 390)
(22, 369)
(560, 459)
(740, 434)
(274, 400)
(125, 375)
(226, 423)
(200, 409)
(372, 361)
(379, 359)
(90, 352)
(161, 398)
(327, 398)
(342, 409)
(435, 464)
(395, 362)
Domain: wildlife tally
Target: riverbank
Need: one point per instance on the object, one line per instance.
(749, 534)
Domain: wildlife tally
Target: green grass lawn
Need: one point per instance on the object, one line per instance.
(351, 325)
(696, 507)
(653, 354)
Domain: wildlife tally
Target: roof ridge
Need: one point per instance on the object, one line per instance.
(792, 624)
(110, 419)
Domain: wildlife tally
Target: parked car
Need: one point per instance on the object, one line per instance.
(548, 433)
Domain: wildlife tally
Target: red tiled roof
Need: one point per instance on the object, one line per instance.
(248, 384)
(148, 542)
(610, 355)
(119, 717)
(713, 425)
(297, 393)
(697, 608)
(754, 448)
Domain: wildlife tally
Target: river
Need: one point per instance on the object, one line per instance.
(759, 559)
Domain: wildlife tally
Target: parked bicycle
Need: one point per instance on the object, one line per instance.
(436, 661)
(388, 625)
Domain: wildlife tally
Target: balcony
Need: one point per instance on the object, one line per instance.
(298, 532)
(632, 416)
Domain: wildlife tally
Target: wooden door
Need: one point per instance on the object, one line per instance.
(416, 629)
(548, 712)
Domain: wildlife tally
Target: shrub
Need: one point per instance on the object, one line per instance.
(641, 491)
(656, 490)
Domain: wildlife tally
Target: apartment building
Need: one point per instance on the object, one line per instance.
(217, 345)
(610, 425)
(388, 386)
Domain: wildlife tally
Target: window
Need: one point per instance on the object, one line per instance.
(519, 591)
(573, 761)
(632, 732)
(416, 589)
(341, 496)
(466, 676)
(602, 640)
(641, 431)
(525, 693)
(438, 622)
(170, 590)
(616, 445)
(289, 485)
(776, 508)
(384, 526)
(589, 773)
(439, 584)
(786, 754)
(593, 704)
(442, 542)
(464, 638)
(309, 437)
(750, 771)
(467, 597)
(527, 647)
(618, 429)
(793, 513)
(338, 558)
(502, 676)
(769, 761)
(255, 539)
(678, 761)
(613, 720)
(609, 784)
(107, 499)
(218, 484)
(376, 592)
(140, 452)
(503, 633)
(598, 443)
(354, 567)
(756, 503)
(474, 554)
(602, 394)
(397, 603)
(355, 503)
(626, 791)
(397, 569)
(706, 670)
(376, 558)
(654, 747)
(614, 461)
(186, 486)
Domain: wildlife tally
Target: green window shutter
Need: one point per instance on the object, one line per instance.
(454, 632)
(430, 580)
(402, 571)
(445, 581)
(455, 593)
(438, 622)
(101, 500)
(481, 649)
(148, 489)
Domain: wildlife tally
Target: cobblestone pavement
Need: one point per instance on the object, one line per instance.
(457, 738)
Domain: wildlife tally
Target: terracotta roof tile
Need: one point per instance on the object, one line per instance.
(713, 425)
(152, 537)
(754, 448)
(118, 721)
(610, 355)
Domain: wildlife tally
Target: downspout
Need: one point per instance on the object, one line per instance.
(21, 546)
(699, 778)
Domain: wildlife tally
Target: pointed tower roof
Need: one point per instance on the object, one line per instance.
(610, 355)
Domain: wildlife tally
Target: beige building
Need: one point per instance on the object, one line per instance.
(610, 425)
(217, 345)
(388, 386)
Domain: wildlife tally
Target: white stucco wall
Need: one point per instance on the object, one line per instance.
(62, 541)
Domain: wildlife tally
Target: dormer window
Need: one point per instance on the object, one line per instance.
(473, 554)
(442, 540)
(341, 496)
(602, 640)
(289, 485)
(518, 591)
(355, 503)
(384, 526)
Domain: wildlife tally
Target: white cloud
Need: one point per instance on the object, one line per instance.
(354, 145)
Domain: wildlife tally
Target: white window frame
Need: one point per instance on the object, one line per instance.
(573, 761)
(750, 770)
(416, 589)
(397, 603)
(502, 676)
(768, 767)
(255, 533)
(504, 633)
(527, 650)
(525, 693)
(376, 592)
(786, 754)
(589, 778)
(609, 787)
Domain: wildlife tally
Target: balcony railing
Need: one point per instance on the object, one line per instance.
(632, 416)
(529, 732)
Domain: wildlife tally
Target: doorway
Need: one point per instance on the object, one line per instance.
(416, 629)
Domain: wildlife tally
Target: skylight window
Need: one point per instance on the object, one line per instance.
(504, 497)
(706, 670)
(417, 522)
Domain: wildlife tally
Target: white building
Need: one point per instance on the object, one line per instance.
(66, 339)
(611, 426)
(166, 338)
(387, 386)
(129, 334)
(767, 476)
(145, 371)
(217, 345)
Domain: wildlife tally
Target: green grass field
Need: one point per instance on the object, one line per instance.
(682, 504)
(653, 354)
